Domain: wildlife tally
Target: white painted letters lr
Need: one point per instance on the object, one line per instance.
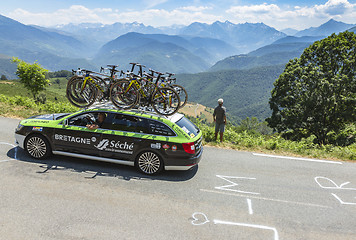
(327, 183)
(234, 184)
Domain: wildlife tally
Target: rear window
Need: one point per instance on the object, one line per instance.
(158, 128)
(188, 127)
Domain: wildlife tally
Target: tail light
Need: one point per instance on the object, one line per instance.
(189, 147)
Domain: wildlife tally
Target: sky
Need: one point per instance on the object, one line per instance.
(280, 14)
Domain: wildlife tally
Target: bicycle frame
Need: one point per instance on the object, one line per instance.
(88, 77)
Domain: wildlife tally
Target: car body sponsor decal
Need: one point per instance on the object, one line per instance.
(192, 135)
(115, 146)
(39, 121)
(38, 129)
(165, 146)
(156, 145)
(68, 138)
(174, 148)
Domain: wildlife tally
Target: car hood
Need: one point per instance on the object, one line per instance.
(54, 116)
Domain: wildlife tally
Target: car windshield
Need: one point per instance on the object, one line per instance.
(62, 115)
(188, 126)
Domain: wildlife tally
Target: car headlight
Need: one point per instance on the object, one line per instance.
(19, 127)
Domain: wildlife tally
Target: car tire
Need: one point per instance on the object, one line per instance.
(37, 146)
(149, 163)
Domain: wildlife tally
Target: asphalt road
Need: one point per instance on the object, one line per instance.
(230, 195)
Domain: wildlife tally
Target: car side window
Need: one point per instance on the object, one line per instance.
(81, 120)
(127, 123)
(86, 118)
(122, 122)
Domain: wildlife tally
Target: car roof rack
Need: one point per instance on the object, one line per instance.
(146, 110)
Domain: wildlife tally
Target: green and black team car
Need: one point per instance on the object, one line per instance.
(145, 140)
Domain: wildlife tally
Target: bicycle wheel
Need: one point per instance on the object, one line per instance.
(165, 101)
(79, 95)
(124, 96)
(71, 87)
(183, 95)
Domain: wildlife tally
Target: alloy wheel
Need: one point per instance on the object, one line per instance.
(149, 163)
(36, 147)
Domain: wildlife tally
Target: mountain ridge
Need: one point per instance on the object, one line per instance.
(325, 29)
(31, 44)
(144, 46)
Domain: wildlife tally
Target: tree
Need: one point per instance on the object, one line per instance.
(316, 93)
(3, 77)
(32, 76)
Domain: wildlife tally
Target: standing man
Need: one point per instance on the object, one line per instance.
(220, 119)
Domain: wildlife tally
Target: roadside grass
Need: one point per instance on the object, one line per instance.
(275, 144)
(24, 107)
(54, 91)
(20, 112)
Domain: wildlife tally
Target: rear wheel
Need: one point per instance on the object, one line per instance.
(37, 146)
(149, 163)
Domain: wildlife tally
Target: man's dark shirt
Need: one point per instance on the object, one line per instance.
(219, 112)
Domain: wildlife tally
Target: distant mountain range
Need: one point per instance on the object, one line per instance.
(283, 49)
(103, 33)
(51, 49)
(244, 37)
(169, 52)
(277, 53)
(136, 47)
(192, 48)
(239, 62)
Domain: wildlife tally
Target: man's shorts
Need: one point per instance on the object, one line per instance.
(219, 127)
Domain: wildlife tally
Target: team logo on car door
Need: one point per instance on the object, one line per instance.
(115, 146)
(102, 144)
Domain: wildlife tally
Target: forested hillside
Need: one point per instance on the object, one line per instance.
(245, 92)
(279, 52)
(7, 68)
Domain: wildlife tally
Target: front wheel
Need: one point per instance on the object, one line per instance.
(37, 146)
(149, 163)
(183, 95)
